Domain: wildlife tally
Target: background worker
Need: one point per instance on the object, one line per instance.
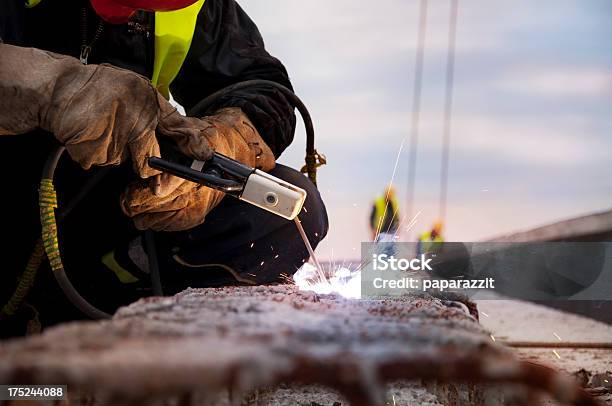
(110, 115)
(429, 240)
(385, 217)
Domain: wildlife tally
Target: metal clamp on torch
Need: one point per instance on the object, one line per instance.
(238, 180)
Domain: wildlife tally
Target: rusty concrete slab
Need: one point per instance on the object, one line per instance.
(189, 348)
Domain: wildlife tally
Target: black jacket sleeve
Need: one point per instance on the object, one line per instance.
(227, 48)
(11, 21)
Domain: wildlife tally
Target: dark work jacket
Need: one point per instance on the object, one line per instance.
(227, 48)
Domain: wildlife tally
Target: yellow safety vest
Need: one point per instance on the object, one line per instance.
(31, 3)
(173, 34)
(380, 205)
(429, 244)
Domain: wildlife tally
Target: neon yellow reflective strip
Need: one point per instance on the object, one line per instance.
(31, 3)
(122, 273)
(173, 34)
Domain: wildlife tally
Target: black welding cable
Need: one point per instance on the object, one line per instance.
(38, 254)
(52, 161)
(202, 108)
(50, 238)
(60, 274)
(76, 299)
(156, 285)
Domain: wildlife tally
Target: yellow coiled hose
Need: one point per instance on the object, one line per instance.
(48, 203)
(46, 244)
(26, 281)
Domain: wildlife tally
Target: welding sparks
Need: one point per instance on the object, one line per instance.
(484, 314)
(286, 278)
(341, 281)
(252, 244)
(556, 353)
(492, 338)
(557, 335)
(412, 222)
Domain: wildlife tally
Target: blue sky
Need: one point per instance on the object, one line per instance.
(532, 129)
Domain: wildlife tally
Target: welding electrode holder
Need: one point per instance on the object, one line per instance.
(235, 179)
(219, 172)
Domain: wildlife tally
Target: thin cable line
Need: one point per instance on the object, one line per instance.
(416, 107)
(448, 108)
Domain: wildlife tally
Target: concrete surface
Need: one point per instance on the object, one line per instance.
(251, 345)
(517, 321)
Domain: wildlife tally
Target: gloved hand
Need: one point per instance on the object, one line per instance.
(179, 204)
(102, 114)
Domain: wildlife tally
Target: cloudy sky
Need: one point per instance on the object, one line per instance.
(532, 129)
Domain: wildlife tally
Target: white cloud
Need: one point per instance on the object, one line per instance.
(539, 141)
(542, 141)
(355, 30)
(555, 81)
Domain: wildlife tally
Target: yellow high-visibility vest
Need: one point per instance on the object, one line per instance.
(427, 237)
(429, 244)
(31, 3)
(380, 205)
(173, 35)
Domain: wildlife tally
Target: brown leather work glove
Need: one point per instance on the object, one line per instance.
(102, 114)
(180, 204)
